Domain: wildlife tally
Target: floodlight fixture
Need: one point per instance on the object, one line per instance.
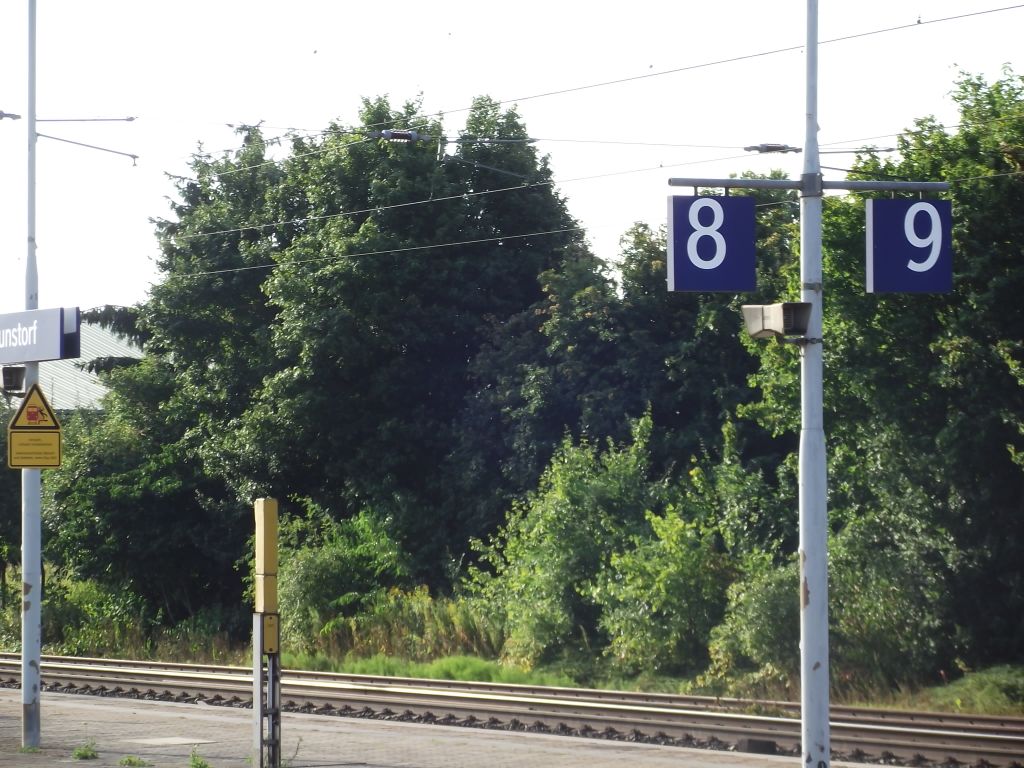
(12, 379)
(788, 319)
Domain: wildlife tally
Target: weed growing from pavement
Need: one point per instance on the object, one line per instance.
(290, 761)
(132, 761)
(195, 761)
(86, 751)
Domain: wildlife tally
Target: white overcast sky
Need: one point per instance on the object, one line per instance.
(188, 68)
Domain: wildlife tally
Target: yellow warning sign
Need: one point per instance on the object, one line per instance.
(35, 412)
(33, 436)
(33, 450)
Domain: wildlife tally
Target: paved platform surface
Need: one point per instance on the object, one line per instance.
(166, 735)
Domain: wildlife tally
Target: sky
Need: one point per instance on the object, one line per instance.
(696, 83)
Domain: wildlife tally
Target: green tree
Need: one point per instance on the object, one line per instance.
(548, 371)
(681, 352)
(755, 650)
(130, 506)
(10, 510)
(922, 403)
(661, 597)
(586, 361)
(385, 295)
(957, 445)
(889, 621)
(134, 504)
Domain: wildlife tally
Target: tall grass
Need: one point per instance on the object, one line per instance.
(414, 634)
(450, 668)
(416, 626)
(82, 618)
(993, 691)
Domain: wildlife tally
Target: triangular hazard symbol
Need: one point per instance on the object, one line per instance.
(35, 412)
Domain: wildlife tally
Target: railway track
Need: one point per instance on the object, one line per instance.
(911, 738)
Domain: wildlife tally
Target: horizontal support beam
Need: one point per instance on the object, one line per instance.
(736, 183)
(887, 186)
(852, 186)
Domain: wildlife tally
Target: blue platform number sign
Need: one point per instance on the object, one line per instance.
(909, 246)
(711, 244)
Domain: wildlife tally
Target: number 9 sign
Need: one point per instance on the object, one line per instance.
(909, 246)
(711, 244)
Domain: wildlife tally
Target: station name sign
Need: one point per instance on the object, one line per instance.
(39, 334)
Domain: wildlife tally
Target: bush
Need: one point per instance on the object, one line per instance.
(81, 617)
(993, 691)
(886, 612)
(85, 618)
(204, 637)
(555, 544)
(755, 650)
(661, 598)
(329, 569)
(887, 599)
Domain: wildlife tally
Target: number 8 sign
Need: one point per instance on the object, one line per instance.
(909, 246)
(711, 244)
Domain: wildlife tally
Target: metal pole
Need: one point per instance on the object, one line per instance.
(814, 663)
(814, 672)
(273, 711)
(258, 698)
(31, 533)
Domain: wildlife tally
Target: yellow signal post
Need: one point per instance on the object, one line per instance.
(266, 641)
(266, 556)
(266, 537)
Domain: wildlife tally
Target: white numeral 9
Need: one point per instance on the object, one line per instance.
(932, 240)
(699, 231)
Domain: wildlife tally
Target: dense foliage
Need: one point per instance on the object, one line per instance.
(484, 439)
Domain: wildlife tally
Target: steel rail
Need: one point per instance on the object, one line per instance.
(866, 733)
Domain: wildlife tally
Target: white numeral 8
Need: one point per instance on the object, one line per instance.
(699, 231)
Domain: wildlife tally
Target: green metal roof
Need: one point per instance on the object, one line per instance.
(67, 386)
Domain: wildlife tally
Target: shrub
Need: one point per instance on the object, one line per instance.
(544, 561)
(887, 600)
(86, 618)
(661, 598)
(887, 619)
(330, 569)
(755, 650)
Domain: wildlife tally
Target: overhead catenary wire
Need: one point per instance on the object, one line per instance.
(451, 140)
(746, 57)
(446, 198)
(642, 170)
(134, 158)
(361, 132)
(386, 251)
(335, 129)
(241, 169)
(608, 142)
(466, 195)
(920, 132)
(311, 133)
(478, 241)
(727, 60)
